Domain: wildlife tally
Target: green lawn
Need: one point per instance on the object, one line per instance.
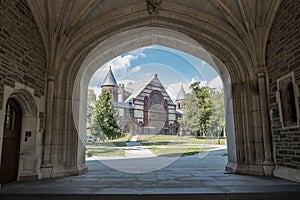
(166, 145)
(172, 152)
(177, 140)
(119, 142)
(160, 145)
(107, 148)
(105, 152)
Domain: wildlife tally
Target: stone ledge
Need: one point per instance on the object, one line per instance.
(236, 168)
(223, 196)
(28, 178)
(287, 173)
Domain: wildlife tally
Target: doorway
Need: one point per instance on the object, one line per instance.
(11, 142)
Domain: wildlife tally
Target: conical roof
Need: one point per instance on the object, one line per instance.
(181, 94)
(109, 79)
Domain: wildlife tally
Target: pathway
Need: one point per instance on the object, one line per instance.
(136, 149)
(191, 177)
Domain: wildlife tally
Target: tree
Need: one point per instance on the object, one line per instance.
(90, 107)
(96, 128)
(218, 112)
(198, 109)
(191, 114)
(106, 116)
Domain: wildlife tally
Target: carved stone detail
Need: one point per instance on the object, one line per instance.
(153, 6)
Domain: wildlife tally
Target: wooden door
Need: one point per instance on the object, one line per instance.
(11, 142)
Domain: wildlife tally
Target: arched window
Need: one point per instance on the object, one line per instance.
(155, 98)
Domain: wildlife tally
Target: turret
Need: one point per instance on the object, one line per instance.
(110, 84)
(121, 93)
(180, 99)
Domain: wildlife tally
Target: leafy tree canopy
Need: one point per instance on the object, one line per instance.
(106, 116)
(204, 110)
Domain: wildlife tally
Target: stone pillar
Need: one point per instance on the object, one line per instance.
(268, 163)
(46, 164)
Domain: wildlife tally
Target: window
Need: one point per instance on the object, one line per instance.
(155, 98)
(287, 98)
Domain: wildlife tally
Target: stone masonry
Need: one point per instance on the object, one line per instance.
(22, 56)
(283, 57)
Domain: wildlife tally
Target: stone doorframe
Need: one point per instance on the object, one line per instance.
(31, 146)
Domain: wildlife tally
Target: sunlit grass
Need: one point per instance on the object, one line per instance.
(98, 152)
(178, 140)
(172, 152)
(119, 142)
(166, 145)
(160, 145)
(108, 148)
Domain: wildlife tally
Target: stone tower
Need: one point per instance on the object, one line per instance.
(180, 99)
(121, 93)
(110, 84)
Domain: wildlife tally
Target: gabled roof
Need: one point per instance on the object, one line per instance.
(181, 94)
(138, 89)
(153, 84)
(109, 79)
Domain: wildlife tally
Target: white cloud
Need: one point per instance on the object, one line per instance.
(203, 83)
(196, 79)
(127, 83)
(216, 83)
(120, 64)
(136, 69)
(97, 90)
(173, 89)
(141, 50)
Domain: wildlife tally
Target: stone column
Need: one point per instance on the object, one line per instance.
(268, 163)
(46, 164)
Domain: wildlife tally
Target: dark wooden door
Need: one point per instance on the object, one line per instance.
(11, 142)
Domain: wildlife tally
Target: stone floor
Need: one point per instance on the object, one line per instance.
(201, 176)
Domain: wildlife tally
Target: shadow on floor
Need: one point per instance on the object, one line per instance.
(191, 176)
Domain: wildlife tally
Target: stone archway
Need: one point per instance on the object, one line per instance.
(102, 53)
(30, 134)
(223, 32)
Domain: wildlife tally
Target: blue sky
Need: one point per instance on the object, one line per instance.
(174, 68)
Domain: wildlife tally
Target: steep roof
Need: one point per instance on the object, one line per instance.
(181, 94)
(109, 79)
(146, 89)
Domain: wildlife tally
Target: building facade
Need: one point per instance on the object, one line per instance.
(147, 109)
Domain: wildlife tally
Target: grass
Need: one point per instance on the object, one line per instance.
(160, 145)
(154, 140)
(166, 145)
(105, 152)
(119, 142)
(172, 152)
(107, 148)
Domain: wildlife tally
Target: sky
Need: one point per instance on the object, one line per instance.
(173, 67)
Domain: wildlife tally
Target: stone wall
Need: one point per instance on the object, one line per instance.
(283, 57)
(22, 56)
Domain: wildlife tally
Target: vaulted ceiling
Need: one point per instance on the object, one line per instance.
(72, 28)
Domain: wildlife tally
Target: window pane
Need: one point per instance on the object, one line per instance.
(7, 117)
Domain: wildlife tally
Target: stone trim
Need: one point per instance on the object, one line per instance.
(287, 173)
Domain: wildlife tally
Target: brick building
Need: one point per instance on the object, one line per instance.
(147, 109)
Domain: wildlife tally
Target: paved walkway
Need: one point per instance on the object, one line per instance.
(194, 177)
(136, 149)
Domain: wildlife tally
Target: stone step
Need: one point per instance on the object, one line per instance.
(205, 196)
